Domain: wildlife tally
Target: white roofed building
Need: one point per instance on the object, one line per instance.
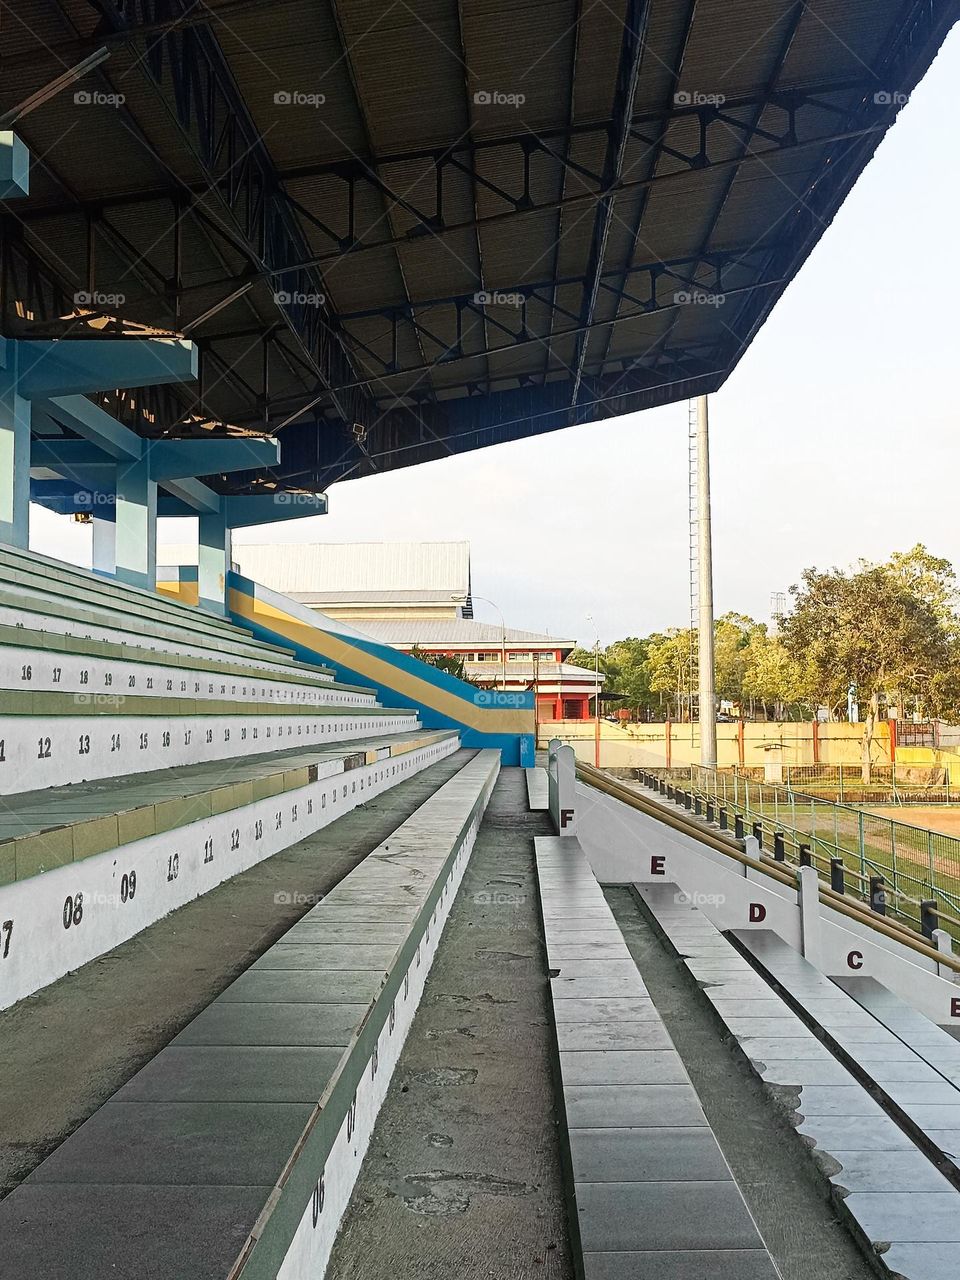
(417, 595)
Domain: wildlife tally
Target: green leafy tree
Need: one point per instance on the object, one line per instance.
(451, 663)
(772, 677)
(877, 628)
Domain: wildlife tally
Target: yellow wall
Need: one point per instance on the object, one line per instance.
(639, 745)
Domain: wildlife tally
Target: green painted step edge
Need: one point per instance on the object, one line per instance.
(52, 641)
(251, 650)
(101, 592)
(130, 620)
(52, 703)
(283, 1214)
(76, 577)
(24, 857)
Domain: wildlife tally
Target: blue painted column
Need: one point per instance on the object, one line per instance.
(136, 525)
(214, 560)
(105, 538)
(14, 453)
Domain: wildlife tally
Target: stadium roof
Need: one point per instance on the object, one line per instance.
(400, 231)
(361, 572)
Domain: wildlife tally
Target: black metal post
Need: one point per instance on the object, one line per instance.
(758, 833)
(836, 875)
(929, 919)
(779, 848)
(806, 857)
(738, 826)
(878, 898)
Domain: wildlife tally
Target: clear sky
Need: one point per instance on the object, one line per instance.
(836, 437)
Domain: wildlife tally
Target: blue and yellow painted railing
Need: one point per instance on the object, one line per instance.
(484, 717)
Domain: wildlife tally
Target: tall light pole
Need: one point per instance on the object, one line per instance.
(708, 709)
(503, 634)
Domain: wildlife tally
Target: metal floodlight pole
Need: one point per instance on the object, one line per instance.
(503, 634)
(708, 710)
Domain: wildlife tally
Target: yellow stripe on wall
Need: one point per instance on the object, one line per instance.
(339, 651)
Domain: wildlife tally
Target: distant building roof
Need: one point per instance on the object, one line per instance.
(360, 572)
(456, 631)
(546, 672)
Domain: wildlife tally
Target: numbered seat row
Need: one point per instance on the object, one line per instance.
(88, 737)
(84, 868)
(31, 660)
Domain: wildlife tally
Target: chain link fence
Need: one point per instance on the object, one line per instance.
(916, 864)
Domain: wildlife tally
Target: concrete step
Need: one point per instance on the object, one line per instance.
(49, 739)
(893, 1062)
(538, 798)
(83, 868)
(463, 1176)
(142, 993)
(891, 1195)
(653, 1192)
(240, 1141)
(45, 659)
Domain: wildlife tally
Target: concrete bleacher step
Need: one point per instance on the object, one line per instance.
(893, 1062)
(84, 867)
(538, 797)
(46, 596)
(72, 581)
(654, 1195)
(49, 612)
(49, 739)
(248, 1130)
(892, 1192)
(33, 659)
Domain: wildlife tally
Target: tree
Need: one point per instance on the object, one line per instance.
(877, 628)
(672, 659)
(451, 663)
(771, 676)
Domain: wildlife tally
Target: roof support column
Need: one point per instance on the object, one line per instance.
(136, 525)
(14, 454)
(105, 540)
(214, 560)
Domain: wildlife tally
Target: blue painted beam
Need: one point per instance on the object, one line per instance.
(191, 495)
(175, 459)
(67, 497)
(243, 509)
(14, 166)
(57, 454)
(53, 369)
(96, 425)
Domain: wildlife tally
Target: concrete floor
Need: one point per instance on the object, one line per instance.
(64, 1051)
(777, 1176)
(463, 1175)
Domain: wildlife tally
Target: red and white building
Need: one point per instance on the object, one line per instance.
(419, 596)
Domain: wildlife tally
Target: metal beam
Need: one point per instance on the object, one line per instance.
(94, 424)
(628, 73)
(51, 369)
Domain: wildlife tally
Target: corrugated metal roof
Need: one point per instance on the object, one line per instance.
(456, 631)
(547, 672)
(459, 150)
(359, 571)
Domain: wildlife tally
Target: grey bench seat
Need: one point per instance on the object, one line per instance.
(213, 1152)
(907, 1058)
(890, 1191)
(654, 1195)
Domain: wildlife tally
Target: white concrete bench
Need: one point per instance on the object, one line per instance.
(248, 1131)
(891, 1193)
(84, 868)
(654, 1195)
